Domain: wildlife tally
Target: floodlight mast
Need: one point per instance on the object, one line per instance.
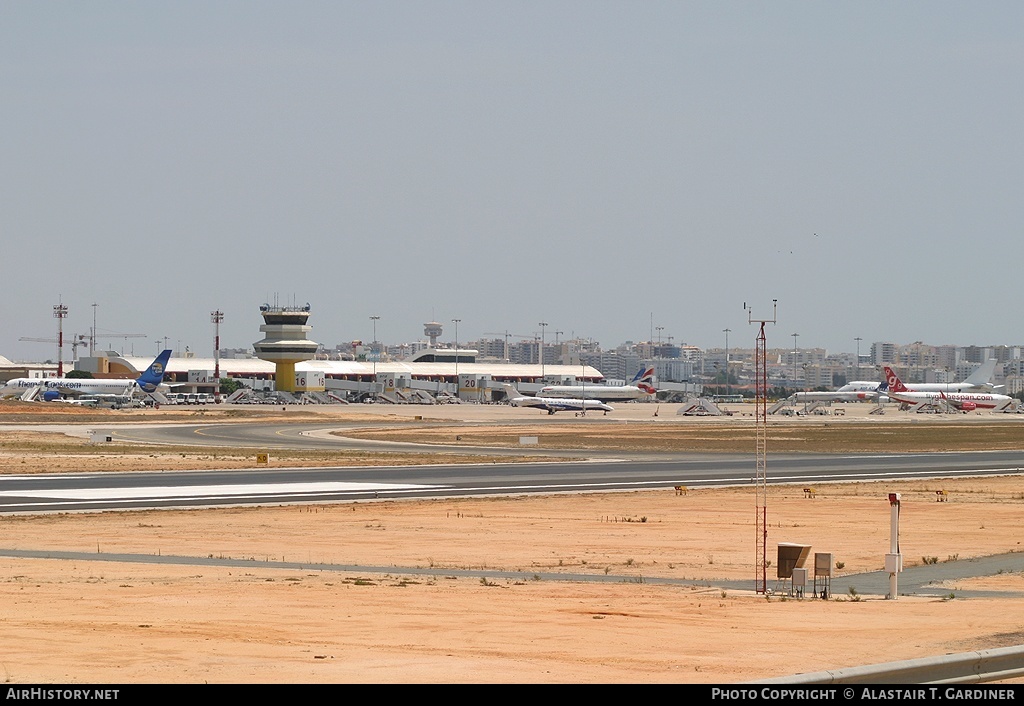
(216, 317)
(761, 475)
(60, 312)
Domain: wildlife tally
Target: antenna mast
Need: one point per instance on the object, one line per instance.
(761, 476)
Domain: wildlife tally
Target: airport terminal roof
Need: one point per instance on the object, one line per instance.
(19, 367)
(246, 367)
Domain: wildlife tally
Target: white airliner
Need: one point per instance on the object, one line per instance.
(855, 391)
(641, 386)
(978, 381)
(56, 388)
(862, 386)
(963, 401)
(852, 392)
(554, 404)
(867, 390)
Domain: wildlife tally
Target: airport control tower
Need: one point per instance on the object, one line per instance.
(432, 330)
(286, 344)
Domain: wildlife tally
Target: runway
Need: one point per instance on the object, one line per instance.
(606, 472)
(35, 494)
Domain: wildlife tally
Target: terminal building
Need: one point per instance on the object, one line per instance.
(290, 365)
(286, 362)
(435, 373)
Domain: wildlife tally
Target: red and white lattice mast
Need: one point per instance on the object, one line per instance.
(761, 433)
(60, 312)
(216, 317)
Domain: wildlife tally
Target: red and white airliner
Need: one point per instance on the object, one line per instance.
(962, 401)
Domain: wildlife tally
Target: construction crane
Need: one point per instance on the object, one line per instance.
(38, 340)
(506, 334)
(77, 341)
(112, 336)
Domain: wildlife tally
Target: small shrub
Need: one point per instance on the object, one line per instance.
(840, 565)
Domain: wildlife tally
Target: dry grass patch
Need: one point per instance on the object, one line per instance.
(49, 452)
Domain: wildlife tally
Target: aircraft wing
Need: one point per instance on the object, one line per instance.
(70, 392)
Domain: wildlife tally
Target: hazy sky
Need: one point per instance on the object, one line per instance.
(601, 166)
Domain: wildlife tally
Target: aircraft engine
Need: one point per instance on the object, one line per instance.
(51, 396)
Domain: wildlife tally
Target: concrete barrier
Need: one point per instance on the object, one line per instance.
(961, 668)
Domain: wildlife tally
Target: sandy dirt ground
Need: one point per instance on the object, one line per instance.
(284, 614)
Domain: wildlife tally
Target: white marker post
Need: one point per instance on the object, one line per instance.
(894, 560)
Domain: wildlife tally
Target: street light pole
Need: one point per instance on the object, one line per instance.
(543, 327)
(456, 322)
(728, 389)
(373, 346)
(92, 339)
(795, 360)
(373, 350)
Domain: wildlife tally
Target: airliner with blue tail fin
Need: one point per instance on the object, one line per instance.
(51, 389)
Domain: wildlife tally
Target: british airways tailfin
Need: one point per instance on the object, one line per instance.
(645, 380)
(151, 378)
